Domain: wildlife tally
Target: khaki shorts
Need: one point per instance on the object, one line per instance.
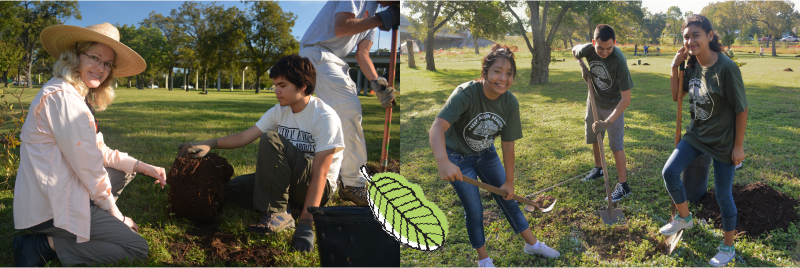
(616, 132)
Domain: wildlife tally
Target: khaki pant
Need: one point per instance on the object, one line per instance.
(110, 239)
(283, 174)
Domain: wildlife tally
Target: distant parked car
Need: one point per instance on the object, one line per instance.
(765, 39)
(190, 87)
(153, 86)
(790, 39)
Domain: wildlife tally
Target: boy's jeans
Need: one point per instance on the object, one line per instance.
(486, 165)
(681, 157)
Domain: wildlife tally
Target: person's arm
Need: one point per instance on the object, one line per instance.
(364, 61)
(233, 141)
(680, 57)
(347, 24)
(738, 143)
(621, 106)
(447, 170)
(319, 172)
(508, 165)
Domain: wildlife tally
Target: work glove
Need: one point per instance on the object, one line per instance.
(303, 239)
(390, 18)
(600, 126)
(196, 149)
(383, 91)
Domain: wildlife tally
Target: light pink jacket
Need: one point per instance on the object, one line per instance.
(62, 163)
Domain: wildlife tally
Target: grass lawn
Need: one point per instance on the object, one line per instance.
(150, 124)
(553, 150)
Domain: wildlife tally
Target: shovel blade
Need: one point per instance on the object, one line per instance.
(530, 208)
(612, 216)
(670, 242)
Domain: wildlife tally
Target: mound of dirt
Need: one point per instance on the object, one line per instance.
(788, 70)
(797, 56)
(761, 208)
(633, 64)
(394, 167)
(199, 187)
(645, 63)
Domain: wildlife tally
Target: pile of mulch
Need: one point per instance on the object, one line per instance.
(222, 247)
(199, 187)
(761, 208)
(788, 70)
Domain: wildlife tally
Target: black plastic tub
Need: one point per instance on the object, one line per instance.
(350, 236)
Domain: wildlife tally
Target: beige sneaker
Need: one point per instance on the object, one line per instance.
(357, 195)
(272, 222)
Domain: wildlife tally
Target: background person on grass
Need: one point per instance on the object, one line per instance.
(336, 31)
(612, 95)
(462, 139)
(719, 117)
(299, 154)
(68, 179)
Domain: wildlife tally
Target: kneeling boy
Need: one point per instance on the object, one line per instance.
(299, 154)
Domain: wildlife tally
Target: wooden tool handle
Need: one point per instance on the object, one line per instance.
(497, 191)
(599, 135)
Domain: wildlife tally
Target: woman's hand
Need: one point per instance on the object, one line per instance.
(680, 56)
(129, 222)
(509, 187)
(738, 155)
(157, 173)
(448, 171)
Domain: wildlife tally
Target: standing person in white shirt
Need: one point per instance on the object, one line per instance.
(68, 179)
(340, 27)
(299, 154)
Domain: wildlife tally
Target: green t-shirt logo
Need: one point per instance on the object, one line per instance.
(601, 77)
(482, 129)
(702, 103)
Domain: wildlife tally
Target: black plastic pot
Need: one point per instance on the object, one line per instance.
(350, 236)
(695, 178)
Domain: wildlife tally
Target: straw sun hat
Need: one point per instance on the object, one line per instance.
(57, 39)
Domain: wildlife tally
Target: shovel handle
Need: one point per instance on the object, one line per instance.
(498, 191)
(599, 135)
(387, 123)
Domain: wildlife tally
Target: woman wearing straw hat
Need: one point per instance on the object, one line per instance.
(68, 179)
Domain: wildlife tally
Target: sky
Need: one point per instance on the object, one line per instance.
(133, 12)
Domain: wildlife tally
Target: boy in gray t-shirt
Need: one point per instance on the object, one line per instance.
(611, 83)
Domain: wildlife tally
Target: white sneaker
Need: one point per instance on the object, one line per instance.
(543, 250)
(724, 256)
(676, 225)
(485, 263)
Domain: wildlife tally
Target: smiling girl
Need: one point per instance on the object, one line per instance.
(718, 122)
(462, 140)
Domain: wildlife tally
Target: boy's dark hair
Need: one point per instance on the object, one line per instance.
(702, 22)
(298, 70)
(499, 52)
(603, 32)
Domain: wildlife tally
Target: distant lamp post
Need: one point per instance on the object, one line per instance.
(245, 68)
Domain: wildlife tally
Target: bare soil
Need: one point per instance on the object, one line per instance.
(761, 208)
(609, 244)
(199, 186)
(222, 247)
(394, 167)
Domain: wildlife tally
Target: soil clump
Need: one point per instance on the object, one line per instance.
(761, 208)
(199, 187)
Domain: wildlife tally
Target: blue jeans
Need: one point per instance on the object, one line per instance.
(486, 165)
(683, 155)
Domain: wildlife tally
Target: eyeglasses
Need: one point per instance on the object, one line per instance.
(97, 61)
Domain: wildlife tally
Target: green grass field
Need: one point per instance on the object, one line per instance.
(553, 150)
(150, 124)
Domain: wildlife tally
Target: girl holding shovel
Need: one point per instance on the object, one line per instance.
(719, 117)
(462, 140)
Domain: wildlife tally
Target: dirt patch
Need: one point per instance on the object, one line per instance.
(198, 187)
(544, 201)
(491, 214)
(394, 167)
(788, 70)
(645, 63)
(610, 244)
(633, 64)
(761, 208)
(224, 247)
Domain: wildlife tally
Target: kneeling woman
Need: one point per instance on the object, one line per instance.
(68, 179)
(462, 139)
(719, 118)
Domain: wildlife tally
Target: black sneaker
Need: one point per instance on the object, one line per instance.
(595, 173)
(618, 194)
(32, 250)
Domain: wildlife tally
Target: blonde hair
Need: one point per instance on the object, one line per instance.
(67, 67)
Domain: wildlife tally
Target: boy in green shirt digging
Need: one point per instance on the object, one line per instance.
(612, 85)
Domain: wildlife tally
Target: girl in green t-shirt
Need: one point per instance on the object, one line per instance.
(462, 139)
(718, 121)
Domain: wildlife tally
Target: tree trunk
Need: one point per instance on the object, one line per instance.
(477, 50)
(540, 66)
(129, 82)
(411, 55)
(30, 66)
(773, 47)
(170, 79)
(205, 80)
(258, 79)
(429, 64)
(185, 79)
(5, 78)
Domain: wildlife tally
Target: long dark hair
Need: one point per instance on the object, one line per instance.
(702, 22)
(499, 52)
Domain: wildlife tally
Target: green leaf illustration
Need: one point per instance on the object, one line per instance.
(404, 213)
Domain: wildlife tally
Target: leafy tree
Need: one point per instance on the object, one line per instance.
(175, 39)
(268, 36)
(542, 35)
(653, 25)
(728, 39)
(433, 15)
(10, 55)
(727, 18)
(485, 20)
(775, 16)
(674, 19)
